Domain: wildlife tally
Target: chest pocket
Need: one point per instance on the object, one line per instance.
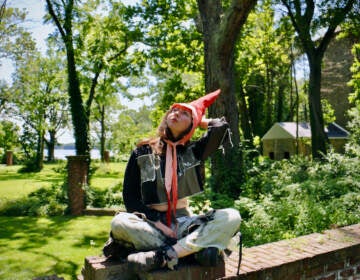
(186, 161)
(147, 168)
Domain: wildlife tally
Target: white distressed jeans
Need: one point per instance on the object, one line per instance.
(215, 232)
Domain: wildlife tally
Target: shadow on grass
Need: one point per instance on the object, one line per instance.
(62, 267)
(106, 176)
(32, 235)
(91, 239)
(35, 177)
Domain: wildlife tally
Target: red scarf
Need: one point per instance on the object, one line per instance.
(171, 180)
(197, 108)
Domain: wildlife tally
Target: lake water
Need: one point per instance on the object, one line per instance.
(63, 153)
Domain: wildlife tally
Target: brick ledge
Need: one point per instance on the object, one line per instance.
(331, 255)
(297, 258)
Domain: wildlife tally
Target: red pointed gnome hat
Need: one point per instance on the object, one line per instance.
(197, 108)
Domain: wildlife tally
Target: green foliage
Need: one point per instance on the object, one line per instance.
(50, 201)
(105, 198)
(355, 81)
(201, 203)
(284, 199)
(353, 146)
(131, 127)
(14, 38)
(18, 157)
(9, 135)
(263, 67)
(328, 112)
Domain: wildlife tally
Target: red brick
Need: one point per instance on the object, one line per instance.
(336, 266)
(315, 271)
(355, 258)
(315, 256)
(347, 272)
(329, 277)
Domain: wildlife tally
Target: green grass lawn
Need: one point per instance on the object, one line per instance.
(108, 175)
(32, 247)
(14, 185)
(37, 246)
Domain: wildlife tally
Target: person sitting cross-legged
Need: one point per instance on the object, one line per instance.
(161, 174)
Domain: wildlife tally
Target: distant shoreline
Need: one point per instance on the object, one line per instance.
(62, 153)
(68, 146)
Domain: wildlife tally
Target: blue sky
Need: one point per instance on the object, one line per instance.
(35, 25)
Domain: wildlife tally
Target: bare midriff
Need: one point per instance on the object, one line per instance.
(181, 203)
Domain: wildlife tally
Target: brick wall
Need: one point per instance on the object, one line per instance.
(331, 255)
(336, 74)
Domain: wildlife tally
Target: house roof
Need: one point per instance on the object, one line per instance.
(285, 130)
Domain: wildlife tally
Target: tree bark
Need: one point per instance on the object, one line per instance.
(245, 121)
(39, 158)
(80, 118)
(318, 135)
(79, 115)
(51, 146)
(220, 32)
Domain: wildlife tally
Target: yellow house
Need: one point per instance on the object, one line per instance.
(282, 139)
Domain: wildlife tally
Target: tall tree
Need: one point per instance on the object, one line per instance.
(169, 32)
(40, 81)
(106, 39)
(9, 135)
(309, 18)
(100, 45)
(105, 112)
(53, 83)
(15, 40)
(63, 13)
(221, 23)
(263, 71)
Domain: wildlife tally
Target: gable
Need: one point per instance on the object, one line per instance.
(277, 132)
(289, 130)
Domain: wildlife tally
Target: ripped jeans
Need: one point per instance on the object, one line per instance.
(214, 229)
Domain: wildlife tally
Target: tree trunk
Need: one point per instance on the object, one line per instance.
(79, 117)
(245, 121)
(220, 32)
(51, 146)
(39, 157)
(318, 135)
(280, 103)
(102, 132)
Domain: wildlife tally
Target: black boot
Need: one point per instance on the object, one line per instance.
(150, 260)
(116, 250)
(210, 256)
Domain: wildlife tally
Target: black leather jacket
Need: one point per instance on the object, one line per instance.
(144, 174)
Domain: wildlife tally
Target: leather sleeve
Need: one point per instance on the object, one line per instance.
(215, 136)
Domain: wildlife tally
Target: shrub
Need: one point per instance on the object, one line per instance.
(42, 202)
(111, 197)
(288, 198)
